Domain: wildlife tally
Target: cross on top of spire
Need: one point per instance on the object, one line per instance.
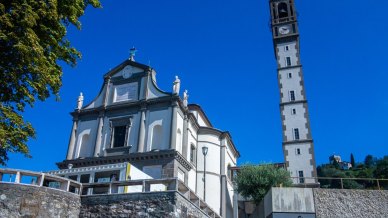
(132, 53)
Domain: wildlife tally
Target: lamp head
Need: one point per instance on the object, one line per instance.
(204, 150)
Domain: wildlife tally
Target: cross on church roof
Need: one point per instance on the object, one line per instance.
(132, 53)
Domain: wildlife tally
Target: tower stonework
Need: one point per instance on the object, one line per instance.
(297, 143)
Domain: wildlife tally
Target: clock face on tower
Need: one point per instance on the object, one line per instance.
(284, 30)
(127, 72)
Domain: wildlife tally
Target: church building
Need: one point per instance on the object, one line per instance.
(133, 130)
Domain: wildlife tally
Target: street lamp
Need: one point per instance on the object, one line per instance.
(204, 152)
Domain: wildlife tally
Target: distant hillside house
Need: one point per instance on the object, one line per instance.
(344, 165)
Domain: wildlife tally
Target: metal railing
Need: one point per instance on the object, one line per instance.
(146, 186)
(343, 183)
(39, 179)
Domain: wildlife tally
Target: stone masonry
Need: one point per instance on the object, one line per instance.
(350, 203)
(17, 200)
(151, 204)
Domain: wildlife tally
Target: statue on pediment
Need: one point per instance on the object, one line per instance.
(176, 86)
(80, 101)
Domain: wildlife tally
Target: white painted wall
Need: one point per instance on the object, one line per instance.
(153, 90)
(191, 182)
(299, 162)
(293, 121)
(291, 84)
(292, 52)
(213, 161)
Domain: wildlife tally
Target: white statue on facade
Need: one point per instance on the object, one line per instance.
(80, 101)
(185, 98)
(176, 85)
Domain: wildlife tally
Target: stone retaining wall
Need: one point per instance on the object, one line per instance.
(17, 200)
(350, 203)
(151, 204)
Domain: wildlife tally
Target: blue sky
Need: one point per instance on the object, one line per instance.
(223, 53)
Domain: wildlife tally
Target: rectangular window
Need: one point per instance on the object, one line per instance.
(296, 134)
(286, 48)
(119, 133)
(301, 176)
(192, 154)
(292, 95)
(298, 151)
(288, 61)
(289, 75)
(119, 130)
(293, 111)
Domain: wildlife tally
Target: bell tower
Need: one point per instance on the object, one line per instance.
(297, 143)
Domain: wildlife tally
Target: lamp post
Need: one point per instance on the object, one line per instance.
(204, 152)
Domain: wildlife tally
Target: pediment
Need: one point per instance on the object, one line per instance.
(126, 69)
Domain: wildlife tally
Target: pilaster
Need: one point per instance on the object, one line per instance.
(185, 145)
(70, 151)
(99, 134)
(140, 146)
(174, 111)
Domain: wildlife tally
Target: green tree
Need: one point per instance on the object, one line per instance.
(32, 43)
(254, 181)
(369, 161)
(352, 161)
(381, 171)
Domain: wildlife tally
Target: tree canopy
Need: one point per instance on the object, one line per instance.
(32, 44)
(254, 181)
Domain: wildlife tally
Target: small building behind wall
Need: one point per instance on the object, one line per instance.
(133, 130)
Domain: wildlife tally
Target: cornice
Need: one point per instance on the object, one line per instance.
(297, 142)
(94, 161)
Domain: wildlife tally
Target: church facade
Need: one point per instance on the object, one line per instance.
(133, 130)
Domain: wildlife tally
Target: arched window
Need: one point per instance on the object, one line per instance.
(282, 10)
(157, 137)
(179, 141)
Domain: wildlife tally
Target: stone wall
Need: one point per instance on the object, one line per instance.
(350, 203)
(17, 200)
(151, 204)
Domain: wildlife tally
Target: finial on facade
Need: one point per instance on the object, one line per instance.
(185, 98)
(132, 53)
(80, 101)
(176, 86)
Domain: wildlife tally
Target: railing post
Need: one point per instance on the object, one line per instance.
(41, 179)
(110, 188)
(144, 185)
(80, 189)
(342, 184)
(68, 186)
(17, 177)
(378, 184)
